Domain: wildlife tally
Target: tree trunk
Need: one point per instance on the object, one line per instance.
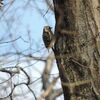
(77, 48)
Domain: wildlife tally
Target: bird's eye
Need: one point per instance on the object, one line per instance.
(50, 28)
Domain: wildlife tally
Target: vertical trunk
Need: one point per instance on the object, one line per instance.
(77, 47)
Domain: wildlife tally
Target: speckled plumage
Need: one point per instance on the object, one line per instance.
(47, 36)
(1, 3)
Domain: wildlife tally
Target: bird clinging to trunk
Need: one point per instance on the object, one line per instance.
(48, 37)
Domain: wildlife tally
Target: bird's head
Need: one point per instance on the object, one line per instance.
(47, 28)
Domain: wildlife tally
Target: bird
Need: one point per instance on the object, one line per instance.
(48, 37)
(1, 3)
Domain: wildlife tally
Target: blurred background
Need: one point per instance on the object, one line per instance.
(27, 70)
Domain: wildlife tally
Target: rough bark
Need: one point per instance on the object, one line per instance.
(77, 47)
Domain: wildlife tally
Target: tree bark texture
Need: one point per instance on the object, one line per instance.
(77, 47)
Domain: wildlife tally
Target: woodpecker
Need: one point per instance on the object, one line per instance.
(48, 37)
(1, 3)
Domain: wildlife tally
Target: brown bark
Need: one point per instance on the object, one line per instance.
(77, 47)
